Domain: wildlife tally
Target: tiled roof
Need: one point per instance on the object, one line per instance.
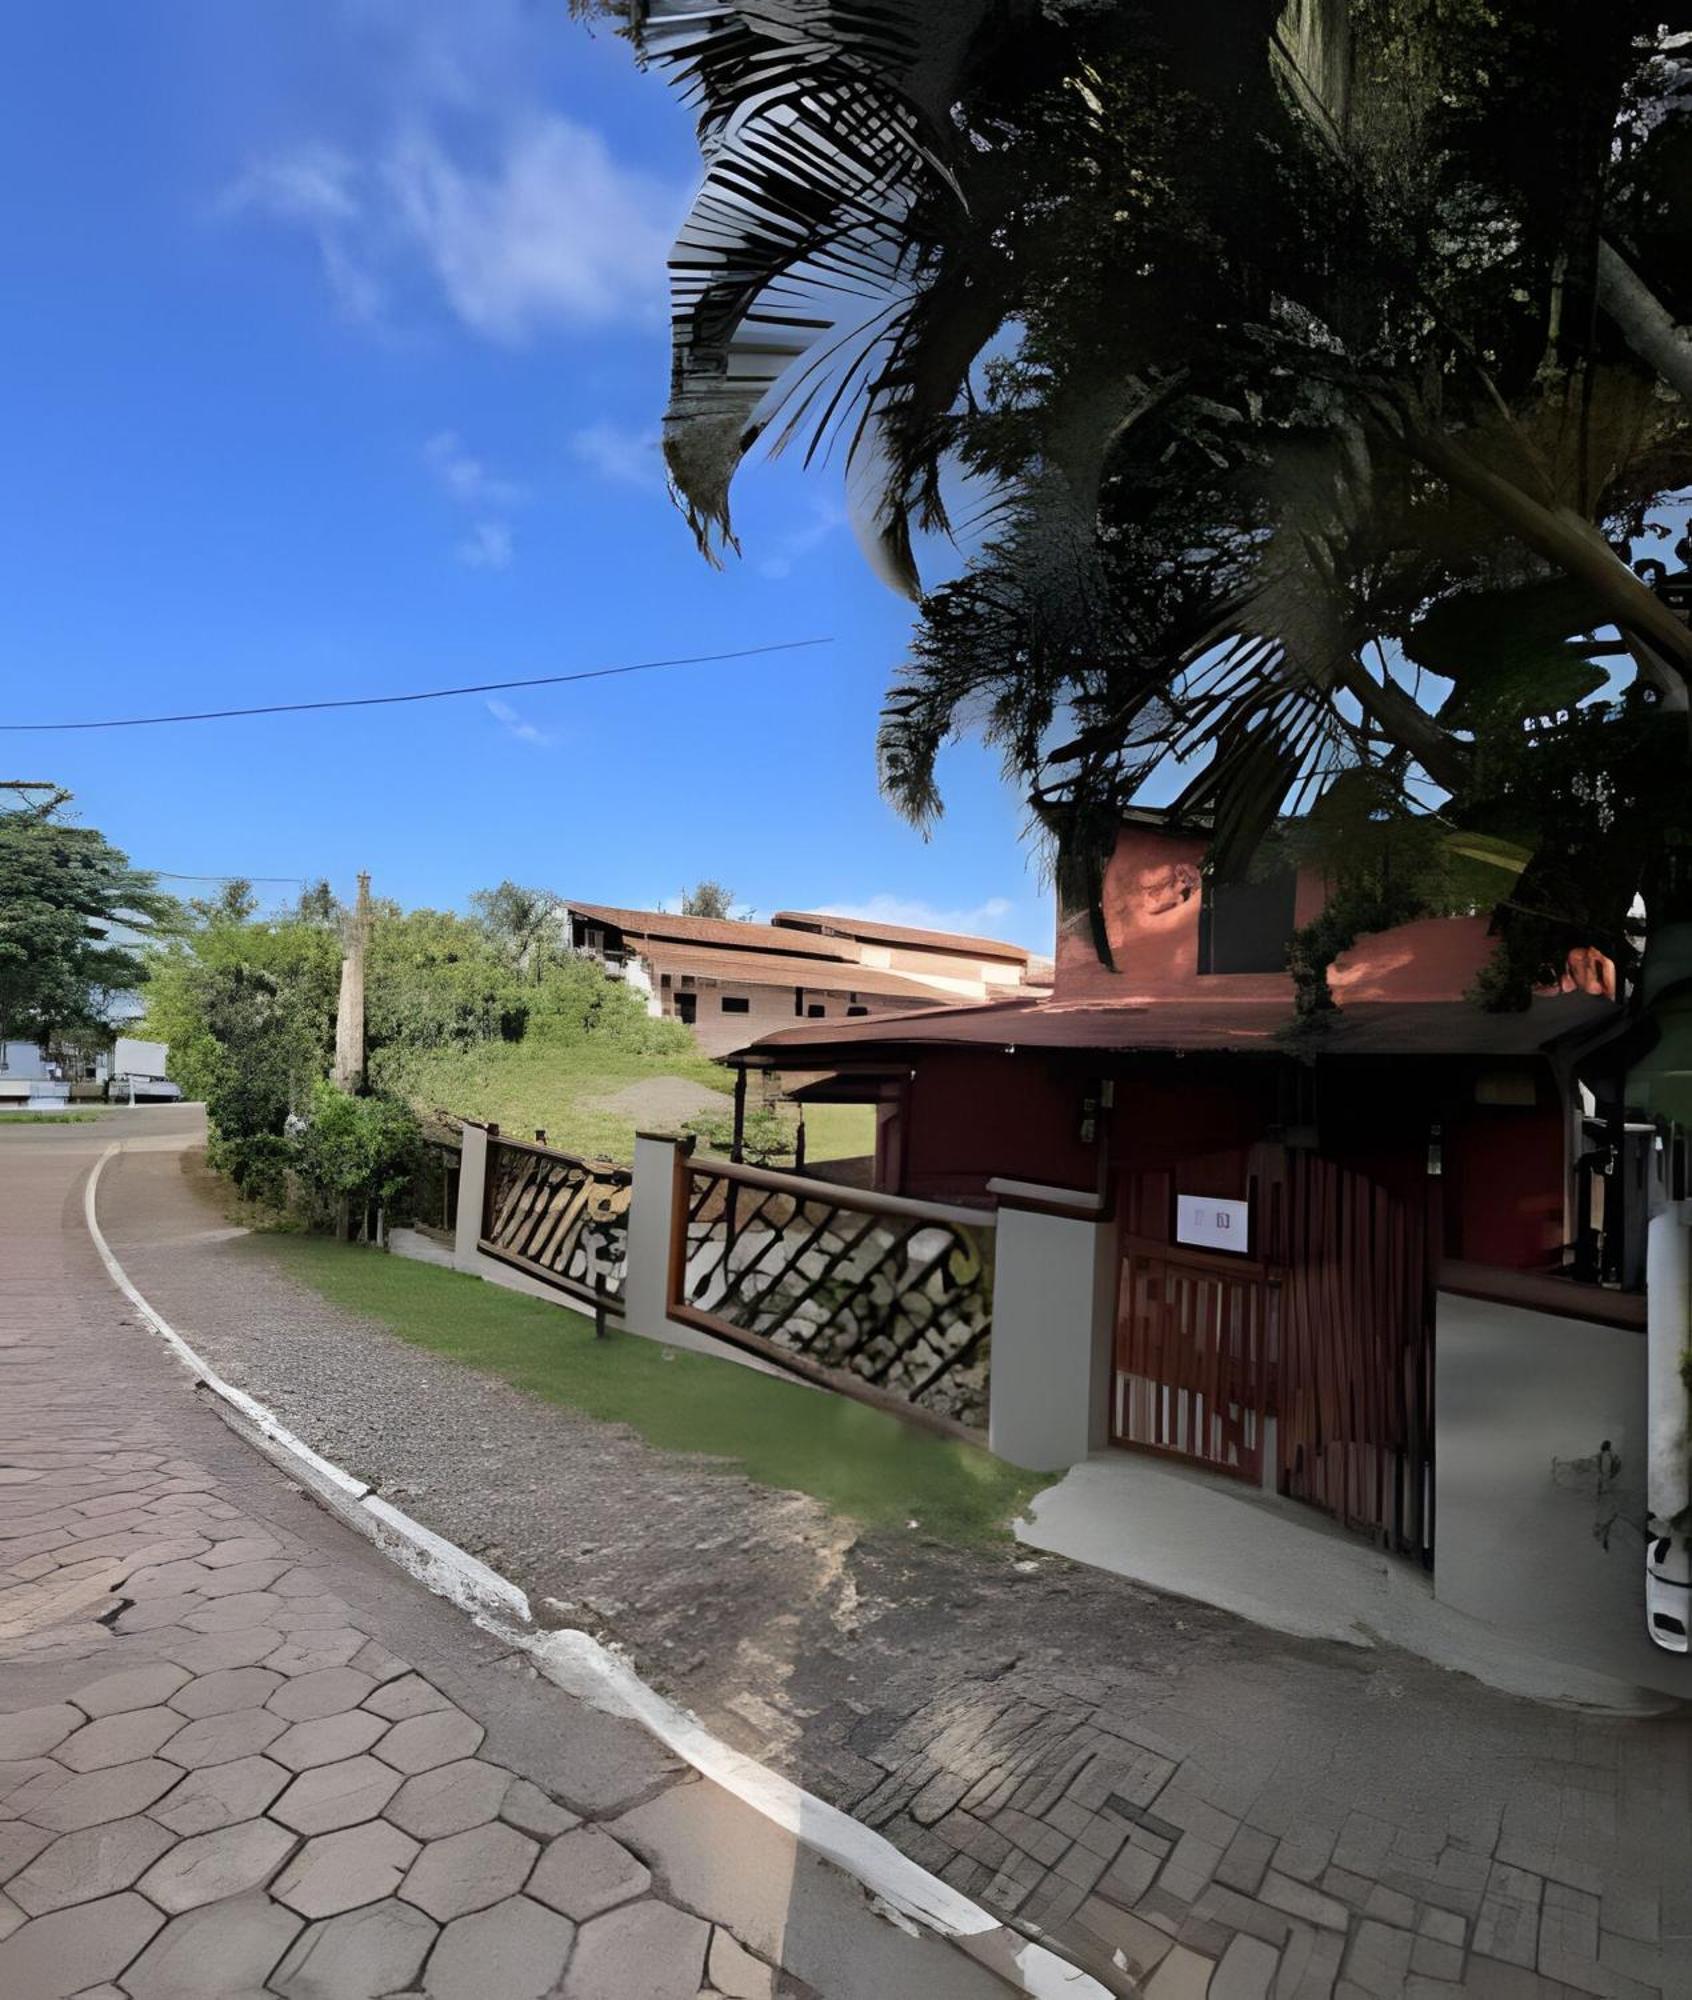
(724, 932)
(760, 968)
(1379, 1027)
(814, 921)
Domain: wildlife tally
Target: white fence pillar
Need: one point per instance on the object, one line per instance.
(652, 1208)
(472, 1185)
(1054, 1291)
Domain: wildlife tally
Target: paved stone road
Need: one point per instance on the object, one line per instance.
(239, 1754)
(1137, 1776)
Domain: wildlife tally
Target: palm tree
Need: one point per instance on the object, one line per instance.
(1269, 330)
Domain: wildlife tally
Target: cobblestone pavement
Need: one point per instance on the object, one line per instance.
(239, 1754)
(1182, 1799)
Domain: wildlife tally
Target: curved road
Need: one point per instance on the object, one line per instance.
(240, 1753)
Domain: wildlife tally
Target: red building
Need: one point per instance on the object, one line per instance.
(1284, 1208)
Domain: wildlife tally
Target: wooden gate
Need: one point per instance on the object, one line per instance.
(1194, 1336)
(1354, 1390)
(1327, 1328)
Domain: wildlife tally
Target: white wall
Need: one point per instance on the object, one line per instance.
(1524, 1400)
(769, 1008)
(134, 1058)
(1053, 1307)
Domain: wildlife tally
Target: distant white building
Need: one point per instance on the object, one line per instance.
(35, 1077)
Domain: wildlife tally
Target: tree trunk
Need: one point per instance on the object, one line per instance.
(1443, 756)
(1644, 320)
(1578, 550)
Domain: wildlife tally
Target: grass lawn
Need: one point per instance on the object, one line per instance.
(530, 1085)
(48, 1117)
(858, 1461)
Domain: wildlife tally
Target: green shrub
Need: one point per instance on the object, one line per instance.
(767, 1138)
(257, 1165)
(357, 1149)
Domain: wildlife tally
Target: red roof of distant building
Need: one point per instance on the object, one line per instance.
(728, 933)
(816, 975)
(825, 922)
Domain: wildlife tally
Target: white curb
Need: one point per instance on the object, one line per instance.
(577, 1662)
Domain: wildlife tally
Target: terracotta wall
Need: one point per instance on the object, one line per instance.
(1151, 913)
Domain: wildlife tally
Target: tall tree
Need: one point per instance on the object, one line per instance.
(1296, 346)
(75, 917)
(522, 921)
(707, 898)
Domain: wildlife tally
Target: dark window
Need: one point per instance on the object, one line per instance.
(799, 1001)
(857, 1010)
(816, 1011)
(1244, 926)
(733, 1004)
(687, 1008)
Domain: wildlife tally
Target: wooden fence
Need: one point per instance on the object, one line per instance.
(1327, 1328)
(888, 1299)
(562, 1219)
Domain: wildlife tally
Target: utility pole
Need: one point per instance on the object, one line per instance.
(349, 1015)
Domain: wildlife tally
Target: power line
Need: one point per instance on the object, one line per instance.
(175, 875)
(429, 694)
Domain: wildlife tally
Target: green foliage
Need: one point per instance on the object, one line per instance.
(435, 980)
(257, 1166)
(248, 1011)
(74, 921)
(318, 904)
(707, 899)
(1291, 351)
(236, 902)
(522, 923)
(768, 1139)
(359, 1149)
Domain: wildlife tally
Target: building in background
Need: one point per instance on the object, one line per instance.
(731, 981)
(50, 1077)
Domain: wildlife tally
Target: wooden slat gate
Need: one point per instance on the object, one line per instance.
(1193, 1343)
(1328, 1329)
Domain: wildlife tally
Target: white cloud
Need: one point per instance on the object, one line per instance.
(554, 233)
(543, 230)
(515, 724)
(623, 456)
(797, 543)
(489, 545)
(982, 920)
(465, 476)
(316, 189)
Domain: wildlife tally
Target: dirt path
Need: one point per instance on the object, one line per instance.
(1136, 1773)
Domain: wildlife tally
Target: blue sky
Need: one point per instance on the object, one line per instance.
(337, 349)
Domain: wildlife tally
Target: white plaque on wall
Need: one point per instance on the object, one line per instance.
(1208, 1222)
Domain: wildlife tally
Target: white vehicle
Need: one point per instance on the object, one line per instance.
(1668, 1592)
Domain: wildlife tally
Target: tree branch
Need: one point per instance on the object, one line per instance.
(1564, 538)
(1645, 321)
(1443, 756)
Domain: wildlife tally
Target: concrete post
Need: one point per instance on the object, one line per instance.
(1054, 1295)
(472, 1186)
(652, 1204)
